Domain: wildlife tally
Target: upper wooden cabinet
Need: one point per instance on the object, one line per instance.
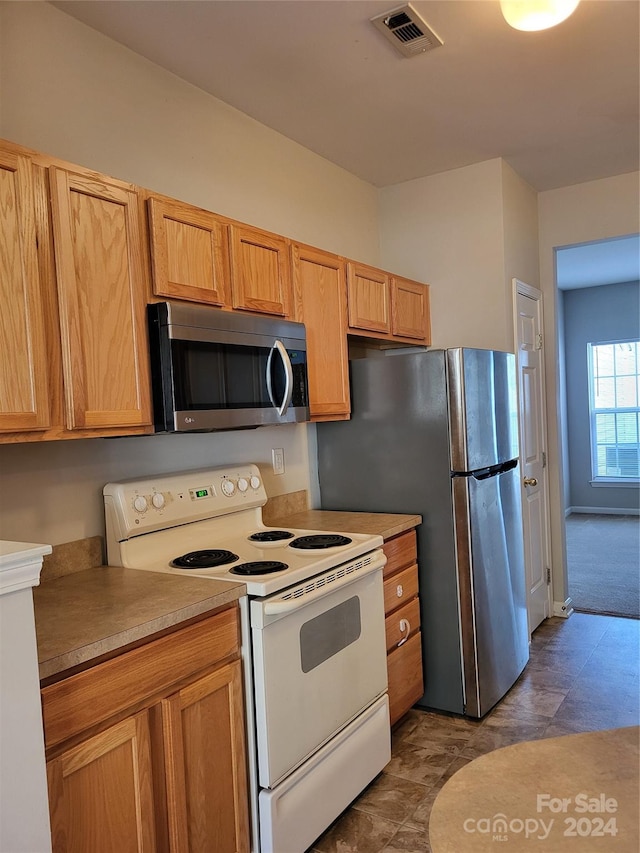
(102, 290)
(189, 251)
(369, 299)
(387, 307)
(24, 390)
(410, 316)
(260, 271)
(319, 285)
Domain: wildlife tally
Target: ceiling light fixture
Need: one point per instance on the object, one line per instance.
(536, 14)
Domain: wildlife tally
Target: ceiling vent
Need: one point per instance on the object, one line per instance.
(406, 30)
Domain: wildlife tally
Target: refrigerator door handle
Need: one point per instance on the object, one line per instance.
(494, 470)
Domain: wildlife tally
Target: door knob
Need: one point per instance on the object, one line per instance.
(530, 481)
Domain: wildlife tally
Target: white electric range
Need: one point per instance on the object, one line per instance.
(313, 637)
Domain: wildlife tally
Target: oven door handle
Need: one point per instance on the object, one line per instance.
(280, 348)
(319, 586)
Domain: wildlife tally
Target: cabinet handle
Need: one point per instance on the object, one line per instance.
(399, 590)
(405, 625)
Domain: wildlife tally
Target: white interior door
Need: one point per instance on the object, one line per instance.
(533, 431)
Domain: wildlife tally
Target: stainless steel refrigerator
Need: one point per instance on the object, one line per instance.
(435, 432)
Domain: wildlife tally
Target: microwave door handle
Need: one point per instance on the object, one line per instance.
(288, 388)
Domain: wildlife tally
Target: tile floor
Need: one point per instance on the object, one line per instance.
(583, 675)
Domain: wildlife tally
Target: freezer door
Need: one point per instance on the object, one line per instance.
(489, 540)
(483, 408)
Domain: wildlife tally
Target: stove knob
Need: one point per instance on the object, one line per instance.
(157, 500)
(228, 487)
(140, 503)
(243, 484)
(255, 482)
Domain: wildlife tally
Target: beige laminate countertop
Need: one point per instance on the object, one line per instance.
(385, 524)
(82, 616)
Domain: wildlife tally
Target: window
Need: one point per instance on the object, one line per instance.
(614, 392)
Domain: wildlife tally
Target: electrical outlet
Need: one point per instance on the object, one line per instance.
(277, 459)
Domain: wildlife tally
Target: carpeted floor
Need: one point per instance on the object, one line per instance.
(603, 563)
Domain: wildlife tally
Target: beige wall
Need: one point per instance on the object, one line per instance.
(520, 230)
(70, 92)
(467, 232)
(447, 230)
(596, 210)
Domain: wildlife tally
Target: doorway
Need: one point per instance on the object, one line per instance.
(598, 333)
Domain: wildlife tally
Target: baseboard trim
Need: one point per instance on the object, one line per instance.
(563, 609)
(601, 510)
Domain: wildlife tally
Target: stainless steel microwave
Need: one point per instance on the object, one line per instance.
(217, 370)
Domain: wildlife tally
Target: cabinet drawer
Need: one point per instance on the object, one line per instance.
(395, 633)
(404, 669)
(400, 588)
(400, 551)
(76, 703)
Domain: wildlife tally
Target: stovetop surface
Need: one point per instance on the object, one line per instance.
(151, 522)
(156, 551)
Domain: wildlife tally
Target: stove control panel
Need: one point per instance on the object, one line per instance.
(133, 507)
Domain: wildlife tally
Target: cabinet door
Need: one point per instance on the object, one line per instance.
(404, 669)
(189, 250)
(400, 588)
(102, 295)
(101, 795)
(260, 271)
(401, 624)
(400, 551)
(319, 285)
(410, 310)
(205, 765)
(24, 395)
(368, 297)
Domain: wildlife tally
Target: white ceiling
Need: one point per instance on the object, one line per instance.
(561, 106)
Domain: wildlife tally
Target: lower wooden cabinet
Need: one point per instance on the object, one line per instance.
(204, 766)
(402, 624)
(404, 669)
(170, 773)
(100, 792)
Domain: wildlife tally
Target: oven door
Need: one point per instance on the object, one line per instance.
(319, 657)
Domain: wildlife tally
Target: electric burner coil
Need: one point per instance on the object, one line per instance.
(258, 567)
(270, 536)
(320, 541)
(206, 559)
